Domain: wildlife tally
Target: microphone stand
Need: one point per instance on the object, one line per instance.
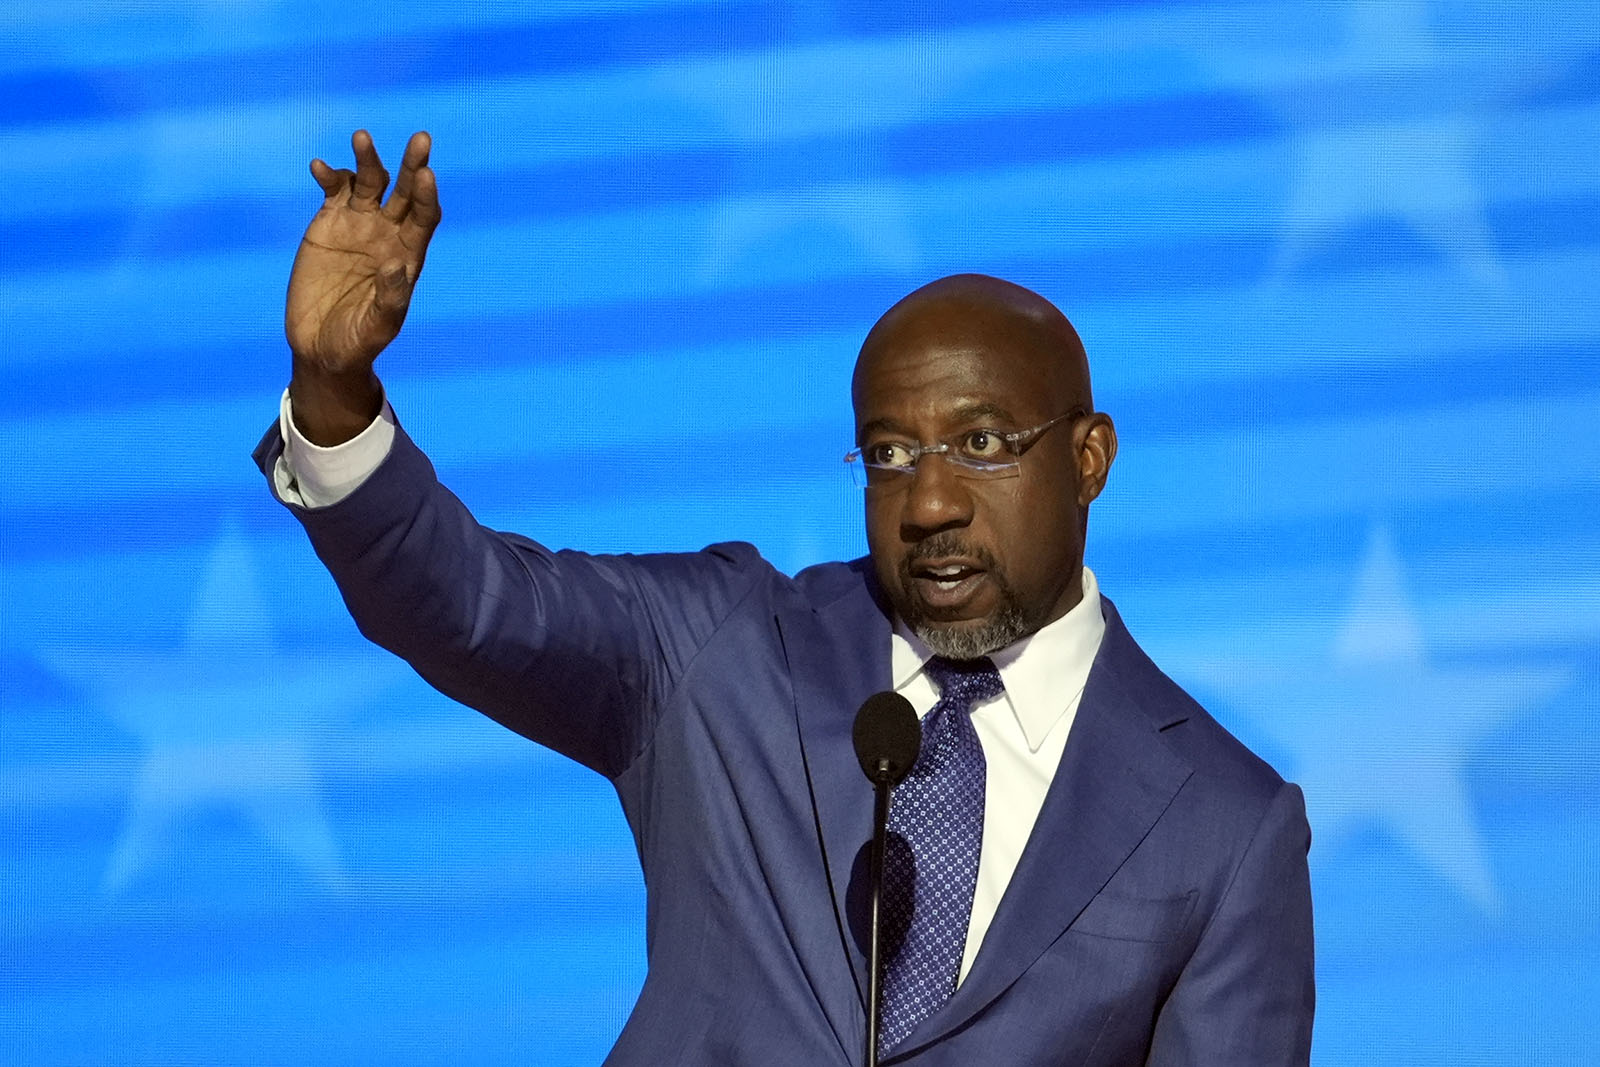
(887, 738)
(880, 830)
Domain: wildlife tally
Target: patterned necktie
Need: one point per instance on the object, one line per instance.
(930, 872)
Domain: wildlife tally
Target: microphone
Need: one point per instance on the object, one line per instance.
(887, 737)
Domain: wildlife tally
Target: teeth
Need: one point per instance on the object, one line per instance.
(946, 572)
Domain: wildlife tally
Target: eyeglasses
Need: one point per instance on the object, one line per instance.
(979, 453)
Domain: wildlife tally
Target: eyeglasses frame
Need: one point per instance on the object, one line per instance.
(1016, 443)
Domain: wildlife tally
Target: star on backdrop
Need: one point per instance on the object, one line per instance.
(229, 723)
(1381, 736)
(1357, 165)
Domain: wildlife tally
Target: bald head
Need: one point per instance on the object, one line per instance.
(972, 368)
(975, 313)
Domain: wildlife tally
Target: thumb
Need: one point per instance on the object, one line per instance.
(394, 288)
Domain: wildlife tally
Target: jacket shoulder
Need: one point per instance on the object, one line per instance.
(1186, 727)
(823, 583)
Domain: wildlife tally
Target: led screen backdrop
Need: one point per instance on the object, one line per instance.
(1335, 264)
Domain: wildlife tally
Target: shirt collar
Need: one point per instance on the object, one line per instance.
(1044, 673)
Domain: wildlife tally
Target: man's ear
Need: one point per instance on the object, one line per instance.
(1097, 448)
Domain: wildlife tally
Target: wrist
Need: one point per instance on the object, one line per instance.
(332, 406)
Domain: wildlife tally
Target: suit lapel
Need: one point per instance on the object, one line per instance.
(1116, 778)
(838, 655)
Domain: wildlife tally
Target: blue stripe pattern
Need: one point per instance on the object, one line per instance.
(1335, 265)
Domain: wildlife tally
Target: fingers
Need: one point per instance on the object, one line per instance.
(394, 291)
(371, 179)
(334, 182)
(416, 230)
(416, 158)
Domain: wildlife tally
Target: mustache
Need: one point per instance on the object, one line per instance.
(944, 544)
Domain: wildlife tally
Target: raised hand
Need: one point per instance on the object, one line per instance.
(352, 282)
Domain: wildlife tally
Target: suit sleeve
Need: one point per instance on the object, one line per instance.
(1247, 995)
(577, 652)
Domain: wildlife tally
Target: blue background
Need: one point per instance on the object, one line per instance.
(1335, 264)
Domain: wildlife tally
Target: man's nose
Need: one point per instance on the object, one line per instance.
(937, 498)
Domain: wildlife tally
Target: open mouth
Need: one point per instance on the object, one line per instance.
(947, 584)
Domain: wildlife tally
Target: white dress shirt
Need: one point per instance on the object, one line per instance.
(313, 476)
(1023, 730)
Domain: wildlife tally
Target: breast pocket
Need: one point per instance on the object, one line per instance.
(1128, 918)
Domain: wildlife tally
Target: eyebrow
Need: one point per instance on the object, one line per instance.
(867, 429)
(983, 410)
(970, 412)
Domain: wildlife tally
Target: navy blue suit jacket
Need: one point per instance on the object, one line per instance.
(1160, 913)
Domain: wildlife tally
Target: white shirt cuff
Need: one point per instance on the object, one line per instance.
(315, 477)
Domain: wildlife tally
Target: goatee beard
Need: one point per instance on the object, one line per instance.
(965, 640)
(969, 641)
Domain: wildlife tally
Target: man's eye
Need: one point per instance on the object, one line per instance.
(984, 444)
(887, 454)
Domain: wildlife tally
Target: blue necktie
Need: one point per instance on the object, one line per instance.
(931, 859)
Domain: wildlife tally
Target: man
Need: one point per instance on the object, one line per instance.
(1088, 869)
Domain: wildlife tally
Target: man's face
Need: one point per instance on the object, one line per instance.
(973, 564)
